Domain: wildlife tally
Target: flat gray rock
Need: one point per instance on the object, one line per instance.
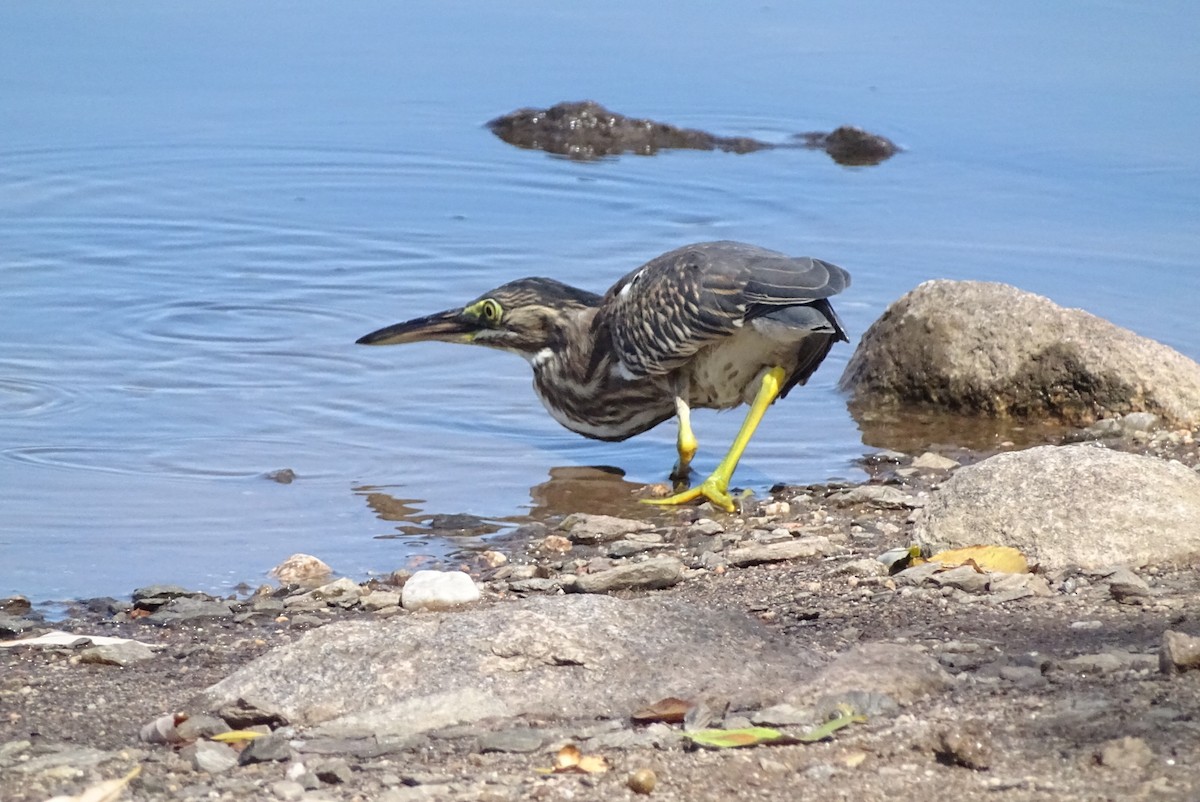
(571, 657)
(1069, 505)
(981, 348)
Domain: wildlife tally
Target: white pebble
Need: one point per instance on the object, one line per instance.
(438, 590)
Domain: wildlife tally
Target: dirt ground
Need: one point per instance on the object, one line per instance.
(1055, 697)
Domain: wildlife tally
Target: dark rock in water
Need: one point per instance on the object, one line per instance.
(986, 349)
(585, 130)
(284, 476)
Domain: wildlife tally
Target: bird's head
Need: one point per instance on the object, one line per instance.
(523, 316)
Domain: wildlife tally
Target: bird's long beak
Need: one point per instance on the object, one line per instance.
(449, 326)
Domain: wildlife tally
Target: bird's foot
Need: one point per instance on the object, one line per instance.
(714, 488)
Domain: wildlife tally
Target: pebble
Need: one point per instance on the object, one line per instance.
(930, 461)
(862, 568)
(652, 574)
(438, 590)
(1127, 587)
(117, 654)
(380, 600)
(210, 756)
(1179, 652)
(301, 569)
(518, 741)
(266, 749)
(1124, 753)
(966, 745)
(963, 577)
(630, 547)
(706, 527)
(782, 715)
(793, 549)
(881, 496)
(186, 608)
(595, 529)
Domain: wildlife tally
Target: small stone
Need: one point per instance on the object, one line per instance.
(556, 544)
(518, 741)
(1022, 675)
(782, 715)
(706, 527)
(776, 509)
(964, 745)
(186, 608)
(117, 654)
(16, 606)
(284, 476)
(210, 756)
(1136, 422)
(963, 577)
(642, 781)
(165, 592)
(881, 496)
(380, 600)
(287, 790)
(1127, 587)
(536, 584)
(1179, 652)
(594, 529)
(1124, 753)
(493, 558)
(201, 726)
(268, 748)
(438, 590)
(245, 713)
(863, 568)
(652, 574)
(11, 625)
(301, 569)
(793, 549)
(930, 461)
(627, 548)
(334, 772)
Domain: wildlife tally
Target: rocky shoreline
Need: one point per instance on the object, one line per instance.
(586, 657)
(1068, 683)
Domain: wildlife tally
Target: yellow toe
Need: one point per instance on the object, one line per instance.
(712, 488)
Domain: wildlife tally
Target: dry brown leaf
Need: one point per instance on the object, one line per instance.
(670, 710)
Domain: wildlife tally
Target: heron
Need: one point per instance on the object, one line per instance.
(711, 325)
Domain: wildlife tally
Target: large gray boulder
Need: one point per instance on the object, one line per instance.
(1069, 505)
(979, 348)
(559, 658)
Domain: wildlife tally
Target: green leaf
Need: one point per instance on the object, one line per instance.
(732, 739)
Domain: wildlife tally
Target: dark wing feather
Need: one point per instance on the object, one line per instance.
(661, 314)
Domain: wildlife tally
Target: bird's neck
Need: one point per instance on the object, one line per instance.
(571, 351)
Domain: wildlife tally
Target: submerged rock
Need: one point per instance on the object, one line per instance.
(1069, 505)
(977, 348)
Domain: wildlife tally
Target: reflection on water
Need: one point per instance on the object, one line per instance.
(205, 205)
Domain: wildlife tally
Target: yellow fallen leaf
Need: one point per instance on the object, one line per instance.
(237, 736)
(997, 559)
(570, 760)
(107, 791)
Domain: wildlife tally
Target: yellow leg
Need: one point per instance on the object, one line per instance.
(716, 487)
(687, 442)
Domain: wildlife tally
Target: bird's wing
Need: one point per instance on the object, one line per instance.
(661, 314)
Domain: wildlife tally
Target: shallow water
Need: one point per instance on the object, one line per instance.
(201, 208)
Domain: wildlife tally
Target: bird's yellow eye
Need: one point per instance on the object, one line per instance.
(489, 311)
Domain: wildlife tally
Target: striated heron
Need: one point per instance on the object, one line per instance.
(710, 325)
